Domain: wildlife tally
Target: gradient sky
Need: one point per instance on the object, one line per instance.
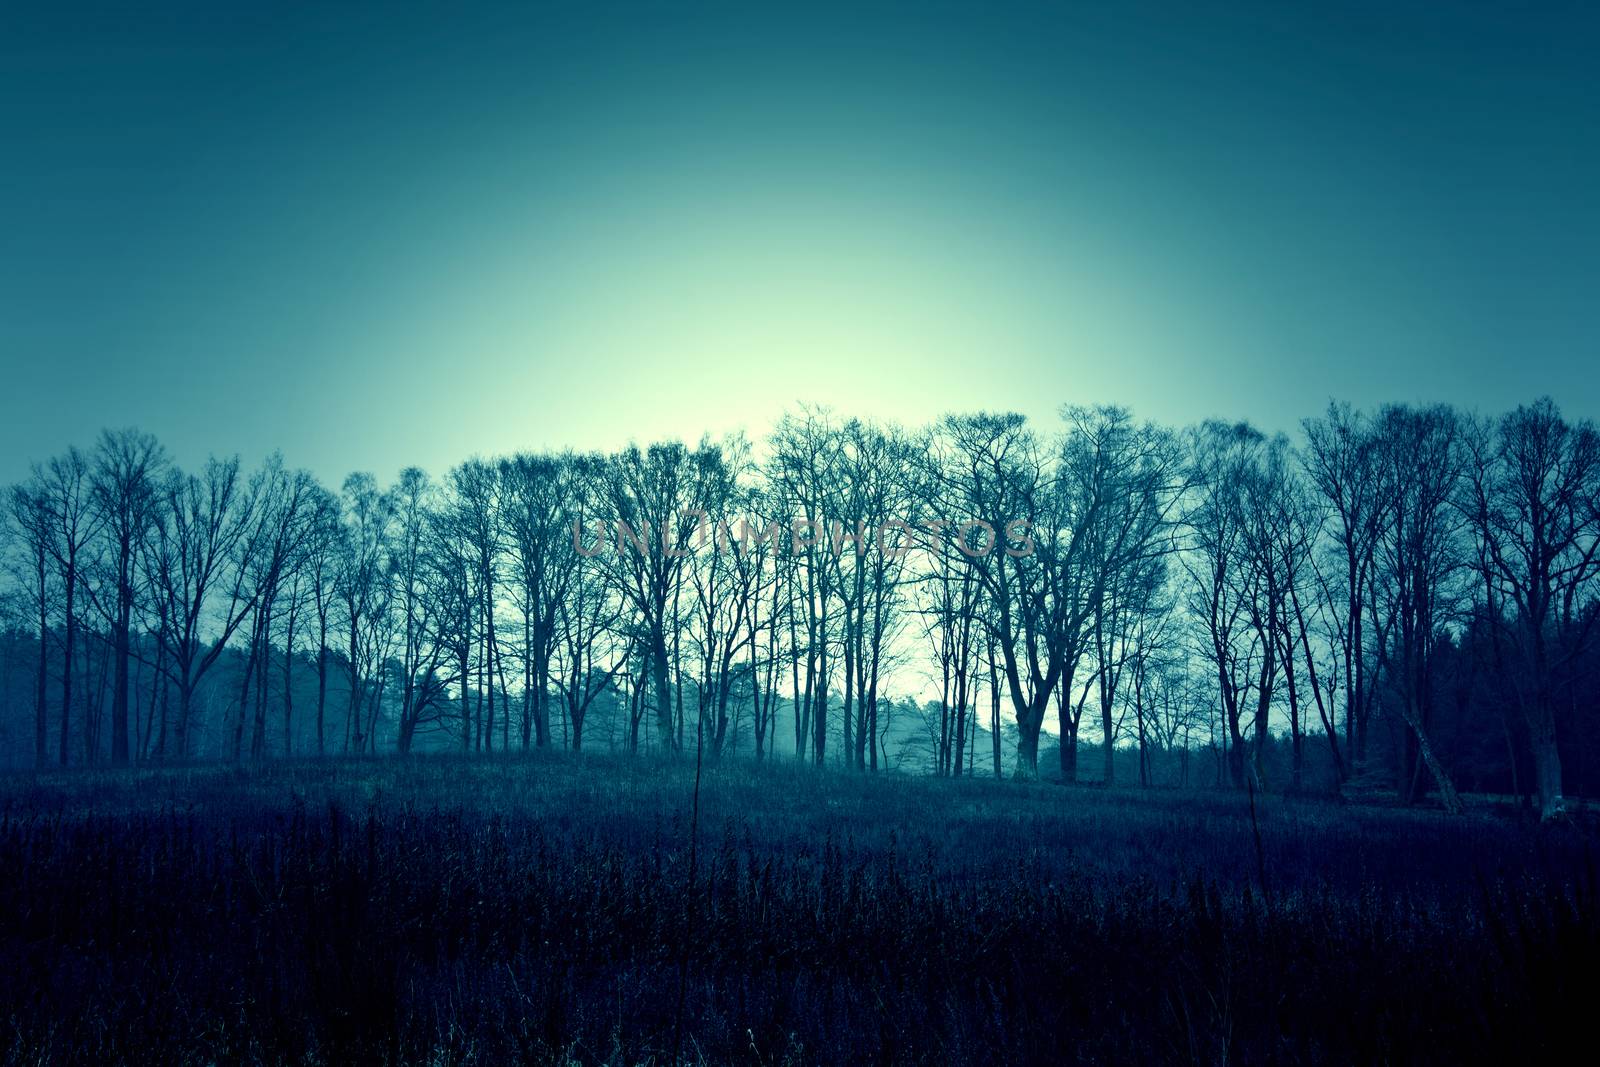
(381, 235)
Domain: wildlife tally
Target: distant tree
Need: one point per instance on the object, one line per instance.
(1128, 481)
(879, 481)
(284, 523)
(993, 468)
(475, 521)
(66, 490)
(723, 584)
(1418, 568)
(653, 502)
(1141, 598)
(324, 549)
(541, 497)
(1531, 499)
(1088, 504)
(127, 467)
(805, 456)
(1306, 600)
(200, 548)
(994, 702)
(1435, 575)
(892, 487)
(458, 611)
(952, 615)
(29, 512)
(1219, 564)
(363, 595)
(1274, 548)
(593, 650)
(1341, 460)
(417, 597)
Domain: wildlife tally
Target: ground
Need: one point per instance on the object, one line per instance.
(558, 909)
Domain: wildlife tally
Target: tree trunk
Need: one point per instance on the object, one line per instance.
(849, 683)
(1027, 752)
(67, 658)
(463, 655)
(527, 673)
(1068, 731)
(119, 695)
(42, 693)
(288, 685)
(1029, 721)
(1109, 773)
(658, 669)
(994, 716)
(1547, 769)
(1263, 712)
(541, 698)
(1235, 745)
(322, 683)
(244, 700)
(180, 735)
(1447, 790)
(352, 716)
(960, 723)
(819, 719)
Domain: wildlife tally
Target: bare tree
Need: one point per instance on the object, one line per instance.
(1306, 600)
(1420, 555)
(1218, 563)
(284, 521)
(475, 520)
(877, 481)
(200, 543)
(653, 503)
(126, 468)
(724, 579)
(1134, 474)
(1063, 519)
(1341, 460)
(416, 594)
(542, 496)
(65, 490)
(587, 615)
(363, 594)
(762, 566)
(1530, 498)
(29, 512)
(325, 548)
(993, 469)
(804, 470)
(952, 620)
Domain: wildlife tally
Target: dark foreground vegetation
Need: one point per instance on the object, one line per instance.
(450, 910)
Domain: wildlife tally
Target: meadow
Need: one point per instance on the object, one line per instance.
(558, 909)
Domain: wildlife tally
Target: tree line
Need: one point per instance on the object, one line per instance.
(1324, 607)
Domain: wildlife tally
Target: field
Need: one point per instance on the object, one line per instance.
(556, 909)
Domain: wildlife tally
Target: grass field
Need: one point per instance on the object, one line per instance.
(552, 909)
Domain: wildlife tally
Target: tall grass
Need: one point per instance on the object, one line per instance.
(451, 910)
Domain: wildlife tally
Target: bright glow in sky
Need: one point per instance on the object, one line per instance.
(381, 236)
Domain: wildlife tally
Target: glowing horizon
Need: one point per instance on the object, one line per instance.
(373, 240)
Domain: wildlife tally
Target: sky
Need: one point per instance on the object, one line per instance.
(381, 235)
